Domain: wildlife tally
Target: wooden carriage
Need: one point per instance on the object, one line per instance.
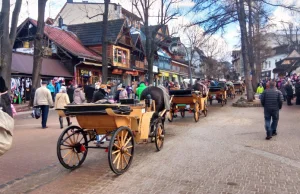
(120, 125)
(187, 100)
(217, 93)
(239, 88)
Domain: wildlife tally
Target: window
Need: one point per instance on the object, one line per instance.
(120, 56)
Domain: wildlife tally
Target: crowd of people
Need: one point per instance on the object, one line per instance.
(289, 87)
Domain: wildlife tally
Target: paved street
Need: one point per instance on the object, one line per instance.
(223, 153)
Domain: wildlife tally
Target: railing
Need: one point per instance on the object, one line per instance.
(139, 64)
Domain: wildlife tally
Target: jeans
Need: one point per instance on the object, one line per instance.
(45, 111)
(271, 127)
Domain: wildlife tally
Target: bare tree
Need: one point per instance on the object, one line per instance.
(7, 37)
(167, 13)
(222, 13)
(38, 45)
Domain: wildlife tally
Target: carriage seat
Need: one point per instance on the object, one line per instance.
(181, 92)
(96, 109)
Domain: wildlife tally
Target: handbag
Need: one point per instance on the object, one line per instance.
(37, 112)
(6, 132)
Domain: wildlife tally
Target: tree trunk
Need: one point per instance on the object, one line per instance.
(149, 46)
(7, 38)
(104, 43)
(38, 46)
(244, 41)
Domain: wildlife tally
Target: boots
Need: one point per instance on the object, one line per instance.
(68, 120)
(61, 122)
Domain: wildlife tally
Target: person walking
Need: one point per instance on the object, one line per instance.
(123, 93)
(100, 93)
(260, 89)
(297, 91)
(70, 92)
(289, 93)
(52, 90)
(271, 100)
(43, 99)
(282, 89)
(5, 102)
(79, 96)
(140, 89)
(62, 100)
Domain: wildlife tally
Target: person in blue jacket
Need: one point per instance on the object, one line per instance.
(52, 90)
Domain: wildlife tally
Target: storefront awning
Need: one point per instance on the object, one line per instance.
(23, 64)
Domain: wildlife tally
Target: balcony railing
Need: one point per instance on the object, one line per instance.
(139, 64)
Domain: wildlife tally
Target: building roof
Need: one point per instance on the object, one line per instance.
(23, 64)
(68, 41)
(91, 33)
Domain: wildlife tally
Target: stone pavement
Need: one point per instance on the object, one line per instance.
(223, 153)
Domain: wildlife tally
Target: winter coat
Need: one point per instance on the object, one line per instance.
(89, 92)
(61, 100)
(140, 89)
(51, 88)
(289, 90)
(70, 92)
(271, 99)
(57, 87)
(123, 94)
(79, 96)
(99, 95)
(297, 89)
(42, 97)
(260, 90)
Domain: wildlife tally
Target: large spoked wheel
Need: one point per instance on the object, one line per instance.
(196, 112)
(72, 147)
(159, 136)
(170, 115)
(121, 150)
(182, 113)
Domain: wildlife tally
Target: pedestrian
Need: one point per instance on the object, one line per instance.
(43, 99)
(79, 96)
(62, 100)
(271, 100)
(89, 92)
(140, 89)
(123, 93)
(117, 94)
(57, 86)
(52, 90)
(282, 89)
(289, 93)
(100, 93)
(297, 91)
(70, 92)
(5, 102)
(260, 89)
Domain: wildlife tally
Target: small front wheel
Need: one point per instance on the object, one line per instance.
(121, 150)
(159, 136)
(72, 147)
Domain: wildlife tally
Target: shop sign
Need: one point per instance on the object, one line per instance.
(175, 76)
(266, 74)
(117, 71)
(133, 73)
(155, 69)
(85, 73)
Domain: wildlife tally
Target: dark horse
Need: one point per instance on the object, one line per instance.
(157, 94)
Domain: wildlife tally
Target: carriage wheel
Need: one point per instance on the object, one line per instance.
(170, 116)
(205, 110)
(159, 136)
(196, 112)
(72, 147)
(121, 150)
(182, 113)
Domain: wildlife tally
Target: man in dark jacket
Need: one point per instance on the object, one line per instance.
(70, 92)
(271, 100)
(289, 93)
(100, 94)
(297, 91)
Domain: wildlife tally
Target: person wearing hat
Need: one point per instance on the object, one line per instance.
(43, 99)
(62, 100)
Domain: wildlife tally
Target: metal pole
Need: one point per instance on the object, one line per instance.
(190, 69)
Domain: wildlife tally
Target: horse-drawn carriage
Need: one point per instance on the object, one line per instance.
(230, 90)
(187, 100)
(217, 93)
(120, 125)
(239, 88)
